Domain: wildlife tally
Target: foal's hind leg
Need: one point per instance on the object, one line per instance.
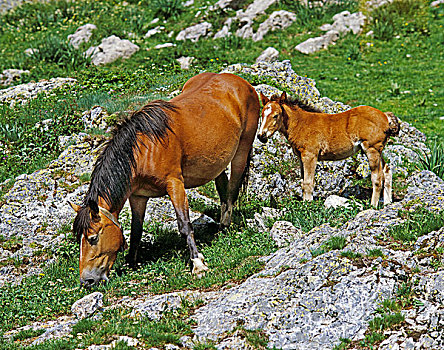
(178, 196)
(387, 184)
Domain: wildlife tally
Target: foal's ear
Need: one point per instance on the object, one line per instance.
(283, 97)
(75, 206)
(264, 99)
(94, 207)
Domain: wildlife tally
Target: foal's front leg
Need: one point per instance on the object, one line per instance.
(178, 196)
(309, 165)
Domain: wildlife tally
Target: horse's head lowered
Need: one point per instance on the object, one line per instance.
(272, 116)
(101, 238)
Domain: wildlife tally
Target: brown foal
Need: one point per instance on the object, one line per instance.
(314, 135)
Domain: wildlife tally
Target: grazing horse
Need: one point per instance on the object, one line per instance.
(315, 135)
(164, 148)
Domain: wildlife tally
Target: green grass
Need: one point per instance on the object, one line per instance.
(435, 160)
(307, 215)
(351, 255)
(417, 223)
(333, 243)
(407, 68)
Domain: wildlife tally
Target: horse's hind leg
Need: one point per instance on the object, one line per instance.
(178, 196)
(238, 168)
(138, 207)
(222, 188)
(387, 172)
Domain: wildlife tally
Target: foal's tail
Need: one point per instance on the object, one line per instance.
(394, 124)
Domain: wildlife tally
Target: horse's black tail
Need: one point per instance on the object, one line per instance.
(394, 124)
(246, 174)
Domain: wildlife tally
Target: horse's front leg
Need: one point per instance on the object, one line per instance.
(176, 191)
(308, 161)
(138, 207)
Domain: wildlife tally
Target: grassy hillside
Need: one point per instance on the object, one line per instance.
(399, 69)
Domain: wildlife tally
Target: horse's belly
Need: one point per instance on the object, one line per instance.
(201, 169)
(339, 153)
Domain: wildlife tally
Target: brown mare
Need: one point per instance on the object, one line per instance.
(315, 135)
(164, 148)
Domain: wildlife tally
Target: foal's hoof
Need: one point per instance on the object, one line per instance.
(199, 266)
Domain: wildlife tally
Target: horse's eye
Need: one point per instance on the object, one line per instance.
(93, 239)
(275, 116)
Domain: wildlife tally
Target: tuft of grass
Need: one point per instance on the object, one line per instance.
(344, 343)
(167, 8)
(333, 243)
(386, 321)
(351, 255)
(54, 49)
(377, 252)
(336, 242)
(307, 215)
(433, 161)
(26, 334)
(417, 224)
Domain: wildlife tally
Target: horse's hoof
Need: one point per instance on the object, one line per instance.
(199, 266)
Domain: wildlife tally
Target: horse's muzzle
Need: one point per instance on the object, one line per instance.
(92, 278)
(262, 138)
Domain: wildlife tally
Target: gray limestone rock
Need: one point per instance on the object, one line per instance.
(334, 201)
(315, 44)
(270, 54)
(111, 49)
(185, 62)
(194, 32)
(8, 76)
(154, 31)
(345, 22)
(81, 35)
(284, 232)
(278, 20)
(88, 305)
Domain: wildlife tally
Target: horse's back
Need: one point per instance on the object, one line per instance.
(224, 88)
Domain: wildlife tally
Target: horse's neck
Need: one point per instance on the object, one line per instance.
(293, 120)
(115, 211)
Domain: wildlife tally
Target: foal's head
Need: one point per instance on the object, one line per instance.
(101, 238)
(272, 116)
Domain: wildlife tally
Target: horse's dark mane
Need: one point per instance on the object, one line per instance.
(294, 101)
(112, 172)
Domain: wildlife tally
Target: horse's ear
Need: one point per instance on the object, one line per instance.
(75, 206)
(283, 97)
(94, 207)
(264, 99)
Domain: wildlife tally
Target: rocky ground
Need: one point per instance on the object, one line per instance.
(299, 300)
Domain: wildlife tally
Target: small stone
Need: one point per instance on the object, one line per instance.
(86, 306)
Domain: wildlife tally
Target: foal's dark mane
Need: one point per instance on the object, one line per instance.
(112, 172)
(294, 101)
